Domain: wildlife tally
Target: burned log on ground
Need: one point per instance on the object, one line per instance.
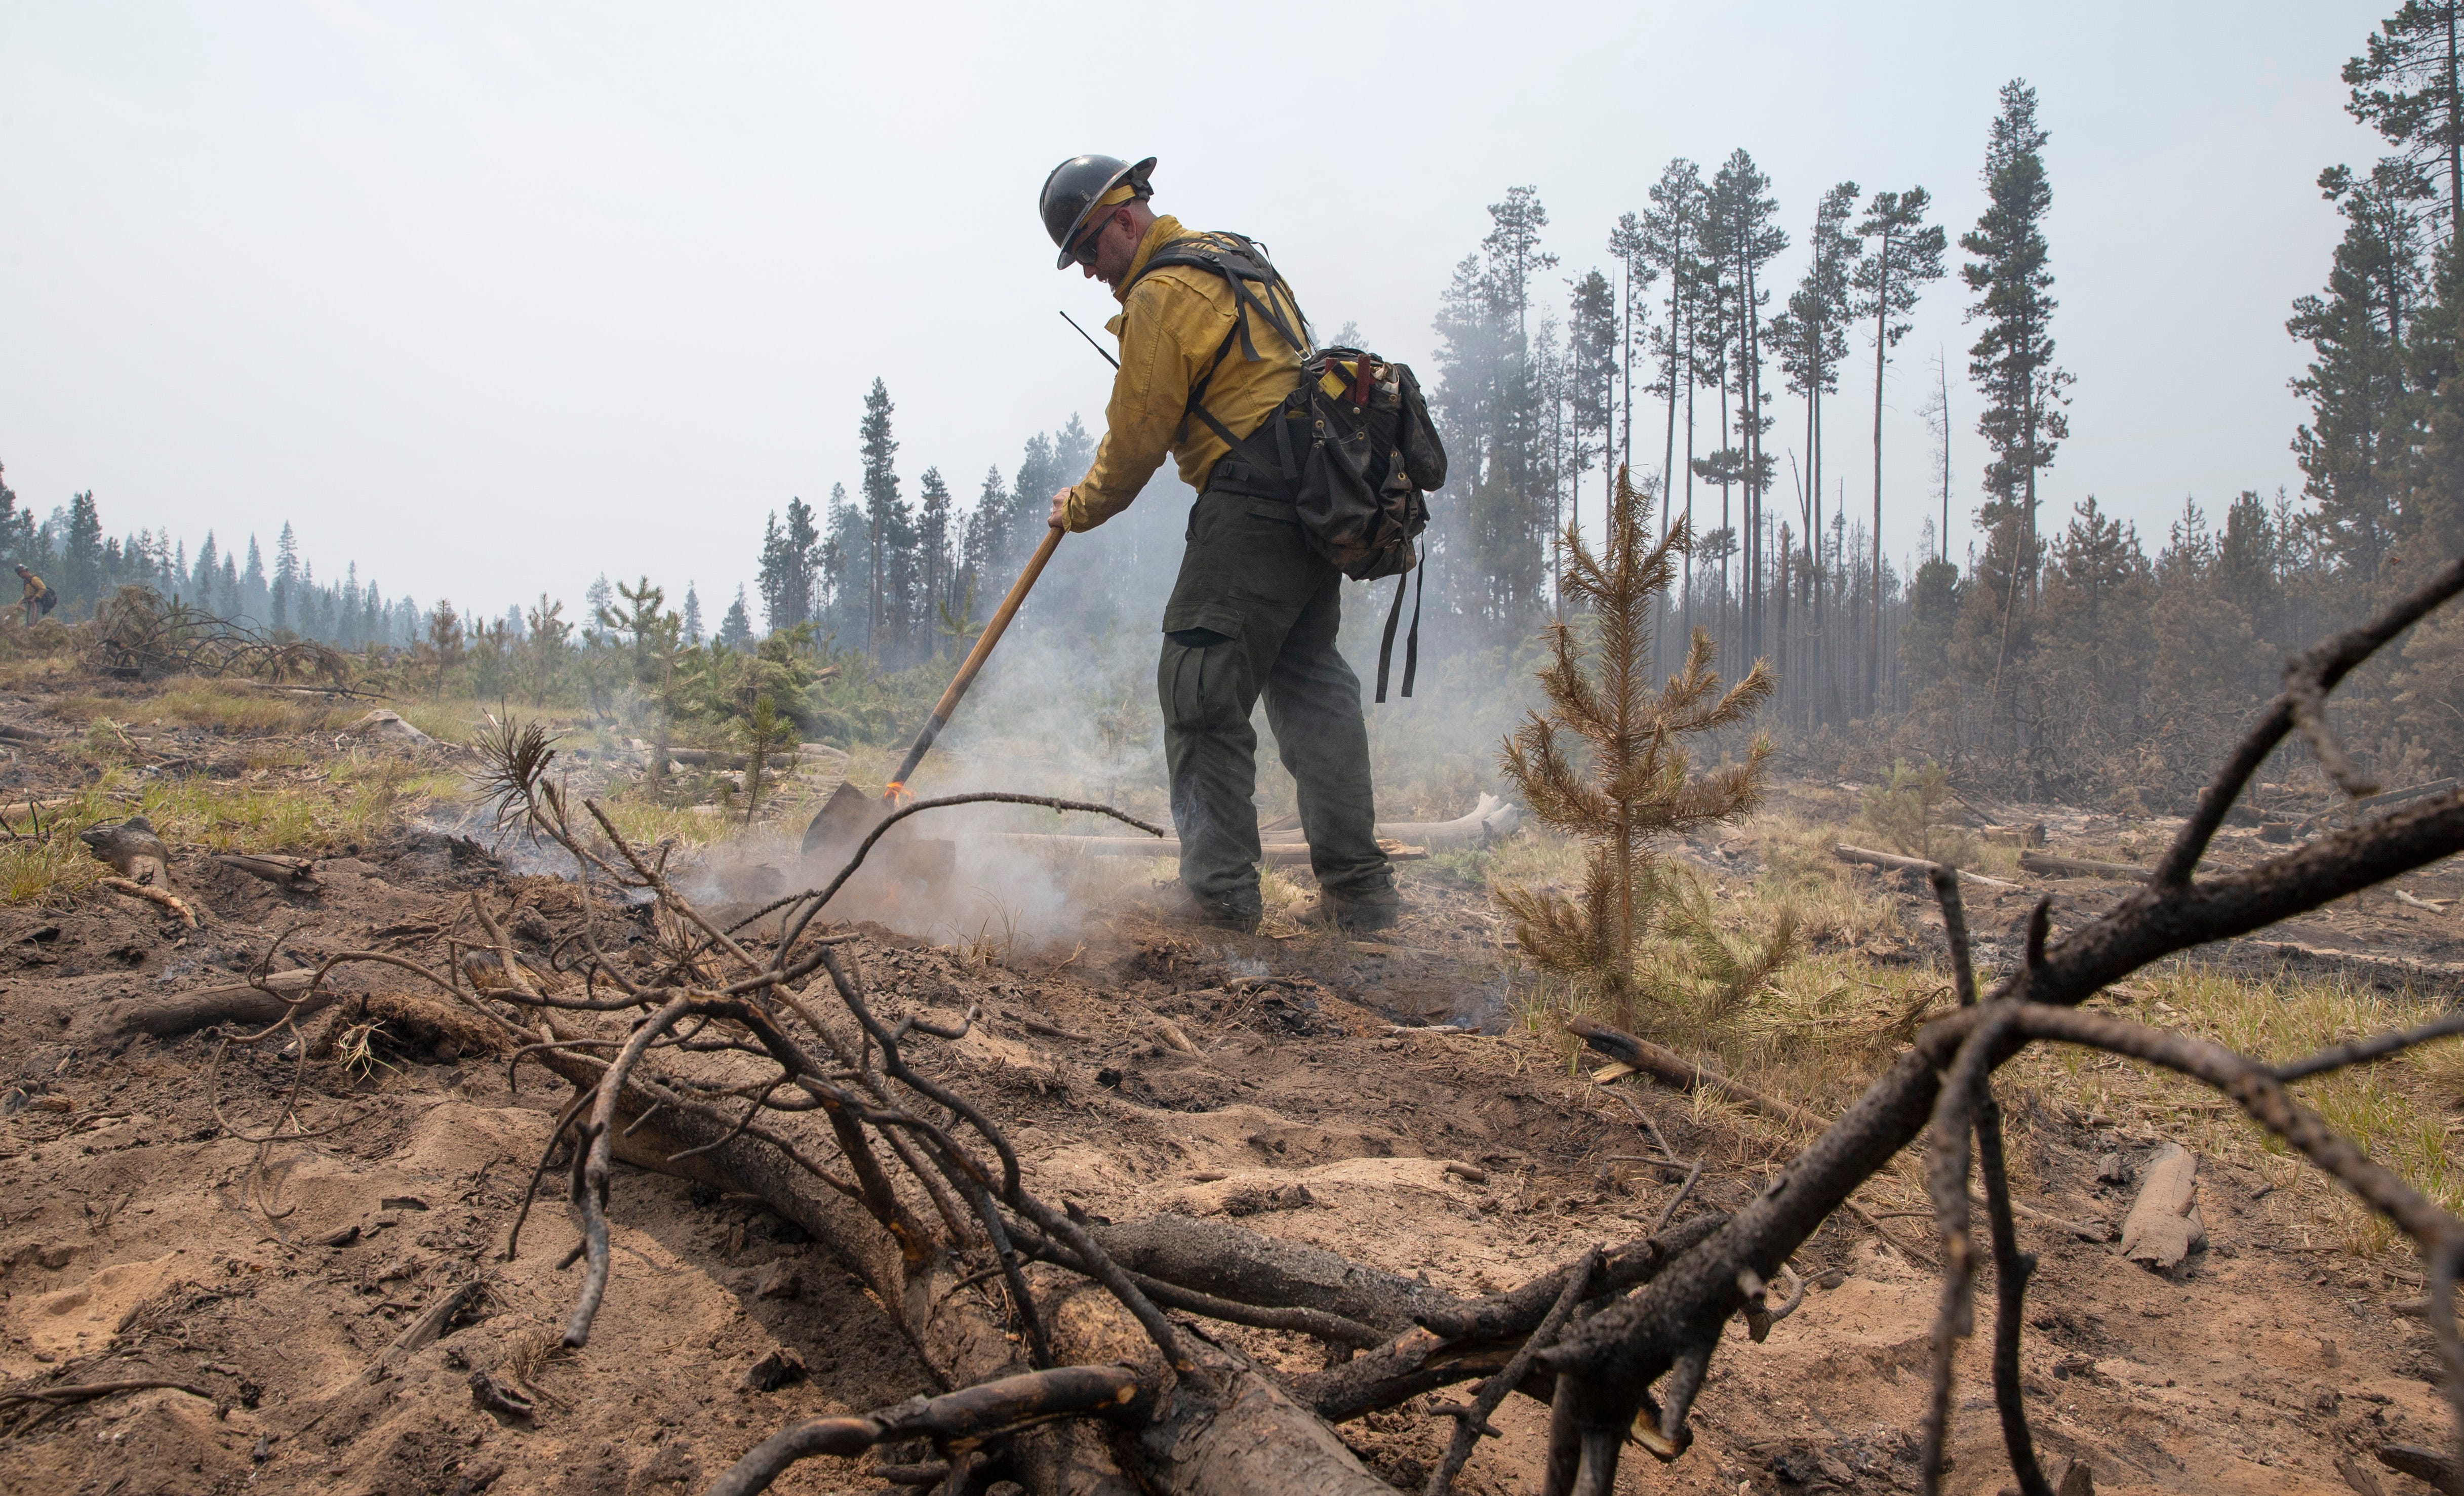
(1893, 862)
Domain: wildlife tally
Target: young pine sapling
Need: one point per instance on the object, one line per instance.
(1607, 763)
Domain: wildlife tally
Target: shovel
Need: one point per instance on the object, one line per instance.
(850, 815)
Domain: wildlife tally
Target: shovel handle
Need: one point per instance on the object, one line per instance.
(976, 658)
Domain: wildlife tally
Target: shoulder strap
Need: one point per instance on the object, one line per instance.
(1239, 260)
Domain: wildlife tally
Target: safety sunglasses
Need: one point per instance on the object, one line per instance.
(1083, 253)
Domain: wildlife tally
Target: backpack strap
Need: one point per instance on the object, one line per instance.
(1412, 645)
(1279, 464)
(1239, 260)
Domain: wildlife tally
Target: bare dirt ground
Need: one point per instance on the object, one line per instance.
(1142, 1069)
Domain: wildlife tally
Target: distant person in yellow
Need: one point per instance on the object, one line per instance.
(39, 598)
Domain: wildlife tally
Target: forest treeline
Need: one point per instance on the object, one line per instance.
(2064, 654)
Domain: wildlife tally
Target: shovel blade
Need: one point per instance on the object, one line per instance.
(844, 818)
(850, 815)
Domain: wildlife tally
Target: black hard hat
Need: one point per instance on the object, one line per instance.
(1074, 188)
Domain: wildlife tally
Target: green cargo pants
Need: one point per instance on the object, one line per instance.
(1256, 609)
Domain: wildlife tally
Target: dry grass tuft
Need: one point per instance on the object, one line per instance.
(2401, 1111)
(230, 708)
(534, 1352)
(1819, 1026)
(47, 868)
(350, 804)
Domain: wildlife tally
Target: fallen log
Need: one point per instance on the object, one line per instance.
(1671, 1068)
(1216, 1257)
(2164, 1225)
(1461, 1339)
(2033, 834)
(289, 872)
(2090, 1230)
(1896, 863)
(2391, 797)
(1491, 820)
(2080, 867)
(387, 727)
(184, 1012)
(2364, 960)
(2431, 1466)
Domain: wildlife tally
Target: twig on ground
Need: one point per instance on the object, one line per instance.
(165, 897)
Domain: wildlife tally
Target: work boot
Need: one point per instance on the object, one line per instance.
(1175, 902)
(1356, 914)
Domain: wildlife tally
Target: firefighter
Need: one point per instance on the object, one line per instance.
(1255, 609)
(39, 598)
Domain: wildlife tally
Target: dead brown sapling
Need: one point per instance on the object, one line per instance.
(1607, 763)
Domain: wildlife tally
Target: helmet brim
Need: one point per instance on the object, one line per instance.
(1137, 173)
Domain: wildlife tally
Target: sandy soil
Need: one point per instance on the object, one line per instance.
(143, 1237)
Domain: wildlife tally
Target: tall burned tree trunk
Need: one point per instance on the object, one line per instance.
(1668, 452)
(1882, 355)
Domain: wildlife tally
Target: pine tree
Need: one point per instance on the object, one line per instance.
(2360, 399)
(1671, 238)
(1489, 400)
(1514, 253)
(638, 618)
(2406, 86)
(1631, 243)
(82, 551)
(1936, 411)
(1906, 258)
(1592, 359)
(1712, 329)
(1520, 515)
(253, 597)
(2429, 499)
(693, 613)
(1811, 339)
(1606, 762)
(1745, 237)
(880, 506)
(2012, 361)
(772, 575)
(987, 523)
(846, 566)
(790, 559)
(736, 626)
(1742, 238)
(286, 575)
(444, 640)
(936, 566)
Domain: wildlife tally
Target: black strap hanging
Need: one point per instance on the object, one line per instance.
(1412, 644)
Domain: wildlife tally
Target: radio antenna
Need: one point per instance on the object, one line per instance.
(1090, 341)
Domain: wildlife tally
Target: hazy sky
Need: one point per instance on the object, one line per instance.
(492, 298)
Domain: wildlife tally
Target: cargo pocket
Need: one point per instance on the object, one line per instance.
(1201, 681)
